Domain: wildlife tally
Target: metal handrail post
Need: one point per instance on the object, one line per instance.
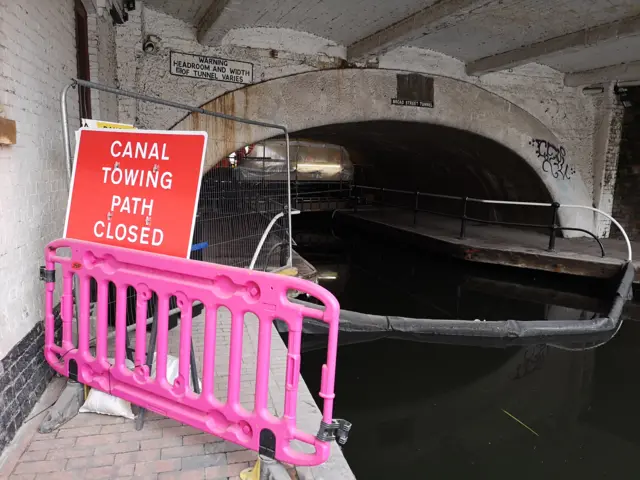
(554, 226)
(264, 237)
(591, 234)
(522, 204)
(286, 134)
(613, 220)
(356, 198)
(66, 139)
(353, 189)
(463, 218)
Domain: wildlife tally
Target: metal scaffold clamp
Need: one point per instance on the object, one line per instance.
(337, 430)
(47, 276)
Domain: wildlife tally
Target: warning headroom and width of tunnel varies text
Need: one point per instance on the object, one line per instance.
(211, 68)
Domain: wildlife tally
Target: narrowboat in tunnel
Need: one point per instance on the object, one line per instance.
(311, 161)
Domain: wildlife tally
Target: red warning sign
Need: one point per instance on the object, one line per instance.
(136, 189)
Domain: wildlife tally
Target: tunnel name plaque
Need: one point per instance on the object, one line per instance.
(413, 90)
(411, 103)
(217, 69)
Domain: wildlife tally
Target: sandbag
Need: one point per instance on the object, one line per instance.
(107, 404)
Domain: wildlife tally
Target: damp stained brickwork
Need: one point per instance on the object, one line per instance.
(24, 375)
(626, 203)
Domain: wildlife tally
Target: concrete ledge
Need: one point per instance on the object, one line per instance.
(492, 244)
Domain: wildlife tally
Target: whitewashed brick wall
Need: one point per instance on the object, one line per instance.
(606, 149)
(103, 64)
(129, 49)
(37, 58)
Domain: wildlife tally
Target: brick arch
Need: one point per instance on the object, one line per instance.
(328, 97)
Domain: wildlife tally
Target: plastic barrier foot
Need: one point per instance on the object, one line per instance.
(265, 469)
(251, 473)
(65, 408)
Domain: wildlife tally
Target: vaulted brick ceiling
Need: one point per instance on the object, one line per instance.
(592, 42)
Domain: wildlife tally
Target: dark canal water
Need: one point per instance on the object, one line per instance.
(436, 411)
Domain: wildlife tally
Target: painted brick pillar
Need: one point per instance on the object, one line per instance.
(608, 126)
(626, 205)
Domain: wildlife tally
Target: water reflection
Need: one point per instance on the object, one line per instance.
(423, 410)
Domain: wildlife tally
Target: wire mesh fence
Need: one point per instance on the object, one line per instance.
(239, 198)
(242, 194)
(243, 218)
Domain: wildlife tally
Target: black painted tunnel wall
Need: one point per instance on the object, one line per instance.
(443, 160)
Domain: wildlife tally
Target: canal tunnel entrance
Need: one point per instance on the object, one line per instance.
(435, 159)
(330, 165)
(469, 129)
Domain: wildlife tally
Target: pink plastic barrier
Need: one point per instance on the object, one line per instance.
(239, 290)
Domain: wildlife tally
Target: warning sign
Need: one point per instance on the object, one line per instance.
(210, 68)
(136, 189)
(87, 122)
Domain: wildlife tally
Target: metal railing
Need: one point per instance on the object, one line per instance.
(231, 221)
(464, 218)
(237, 216)
(284, 195)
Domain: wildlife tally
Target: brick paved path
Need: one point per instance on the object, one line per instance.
(94, 446)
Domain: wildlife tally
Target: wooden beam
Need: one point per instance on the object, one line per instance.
(7, 131)
(207, 33)
(581, 39)
(623, 72)
(412, 27)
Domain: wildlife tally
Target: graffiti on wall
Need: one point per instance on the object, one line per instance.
(553, 159)
(533, 360)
